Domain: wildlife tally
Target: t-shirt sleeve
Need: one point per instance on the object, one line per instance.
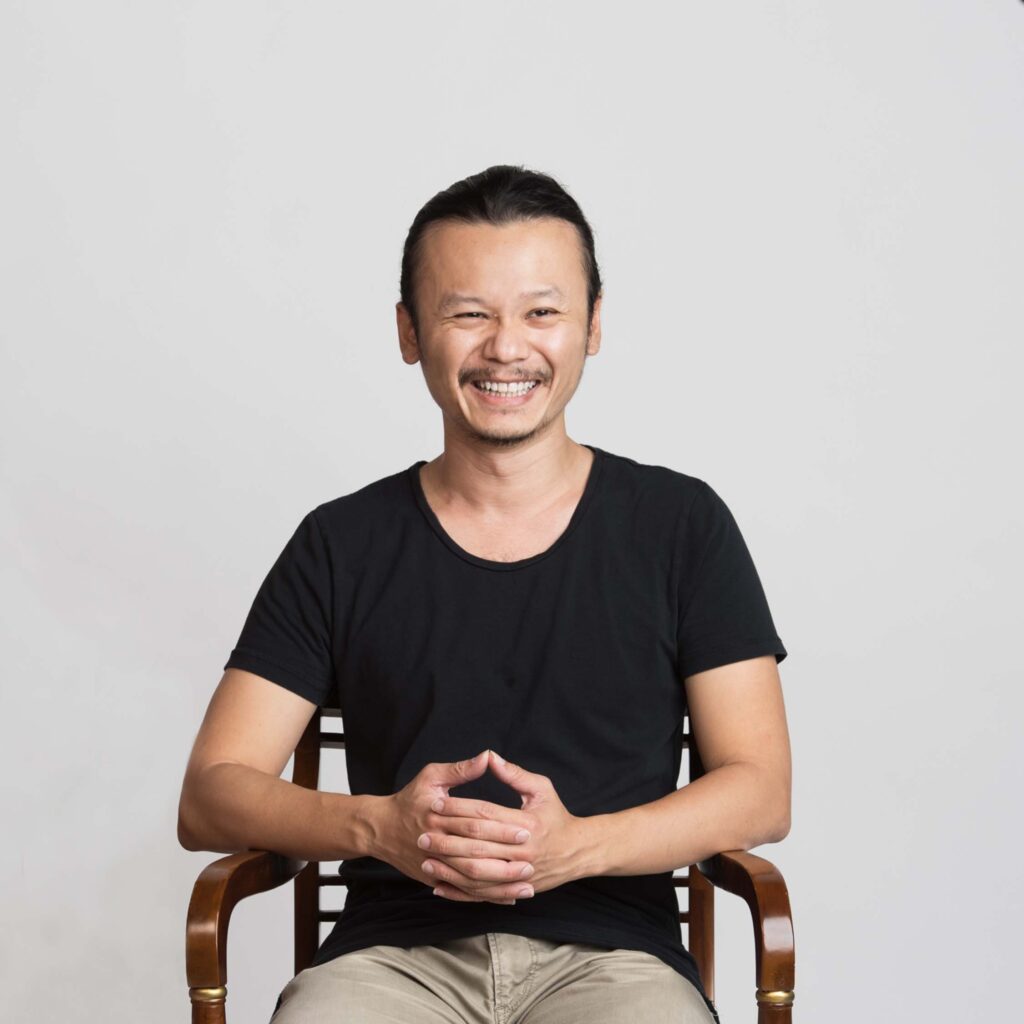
(723, 612)
(286, 637)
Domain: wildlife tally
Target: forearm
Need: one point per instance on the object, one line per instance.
(735, 807)
(231, 807)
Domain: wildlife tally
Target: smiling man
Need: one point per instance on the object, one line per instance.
(515, 631)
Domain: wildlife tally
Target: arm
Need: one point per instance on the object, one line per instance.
(738, 720)
(741, 801)
(233, 798)
(738, 723)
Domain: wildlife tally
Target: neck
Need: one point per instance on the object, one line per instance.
(520, 480)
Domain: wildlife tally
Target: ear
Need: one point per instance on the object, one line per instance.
(407, 340)
(594, 339)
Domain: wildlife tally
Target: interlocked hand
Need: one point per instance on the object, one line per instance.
(472, 842)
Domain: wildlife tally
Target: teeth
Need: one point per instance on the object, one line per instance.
(503, 388)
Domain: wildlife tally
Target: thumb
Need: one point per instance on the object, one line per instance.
(454, 773)
(516, 776)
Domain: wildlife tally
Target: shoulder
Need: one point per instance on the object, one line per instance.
(650, 482)
(366, 500)
(668, 500)
(351, 523)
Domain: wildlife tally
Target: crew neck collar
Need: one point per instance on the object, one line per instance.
(413, 475)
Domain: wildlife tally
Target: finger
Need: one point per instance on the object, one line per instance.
(454, 773)
(445, 844)
(440, 844)
(481, 875)
(451, 892)
(484, 810)
(474, 828)
(516, 776)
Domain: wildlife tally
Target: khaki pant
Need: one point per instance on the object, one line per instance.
(494, 978)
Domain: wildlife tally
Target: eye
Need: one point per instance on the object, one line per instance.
(457, 315)
(544, 311)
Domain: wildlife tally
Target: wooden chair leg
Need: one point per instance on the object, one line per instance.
(774, 1007)
(208, 1005)
(700, 917)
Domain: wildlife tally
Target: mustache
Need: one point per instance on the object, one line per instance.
(471, 377)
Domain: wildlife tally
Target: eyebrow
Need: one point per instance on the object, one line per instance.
(454, 298)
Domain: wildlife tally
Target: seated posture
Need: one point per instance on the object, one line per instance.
(515, 631)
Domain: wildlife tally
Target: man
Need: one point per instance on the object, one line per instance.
(520, 595)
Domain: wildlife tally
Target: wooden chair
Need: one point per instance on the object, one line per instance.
(230, 879)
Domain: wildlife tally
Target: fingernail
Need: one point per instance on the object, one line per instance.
(428, 867)
(498, 757)
(527, 871)
(437, 805)
(437, 891)
(525, 891)
(522, 835)
(424, 841)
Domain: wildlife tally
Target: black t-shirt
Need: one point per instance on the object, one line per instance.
(570, 662)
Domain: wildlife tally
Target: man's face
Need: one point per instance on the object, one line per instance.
(501, 304)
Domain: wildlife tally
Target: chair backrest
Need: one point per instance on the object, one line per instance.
(321, 734)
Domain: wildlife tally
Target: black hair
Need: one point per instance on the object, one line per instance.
(499, 195)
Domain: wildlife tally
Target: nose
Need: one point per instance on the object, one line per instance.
(506, 341)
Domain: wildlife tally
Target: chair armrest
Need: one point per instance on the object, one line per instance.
(761, 885)
(218, 888)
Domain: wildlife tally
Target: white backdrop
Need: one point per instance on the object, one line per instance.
(810, 223)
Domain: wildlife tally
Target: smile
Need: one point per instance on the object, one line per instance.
(503, 388)
(502, 394)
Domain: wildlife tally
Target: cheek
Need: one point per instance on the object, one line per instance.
(565, 340)
(564, 350)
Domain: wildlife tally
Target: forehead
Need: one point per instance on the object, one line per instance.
(516, 256)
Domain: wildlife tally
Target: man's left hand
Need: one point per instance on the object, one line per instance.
(554, 845)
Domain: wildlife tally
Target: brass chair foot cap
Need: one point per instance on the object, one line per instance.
(780, 997)
(208, 995)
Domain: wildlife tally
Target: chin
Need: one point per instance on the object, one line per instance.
(504, 440)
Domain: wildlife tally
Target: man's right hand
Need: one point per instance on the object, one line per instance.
(404, 816)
